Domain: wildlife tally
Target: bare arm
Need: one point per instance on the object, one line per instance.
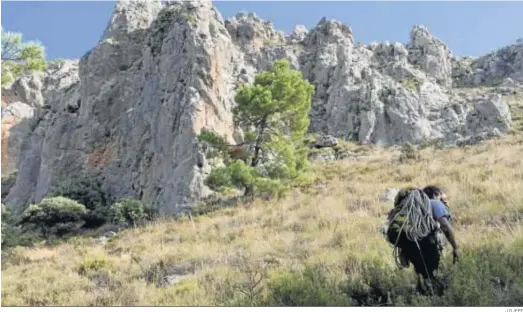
(449, 232)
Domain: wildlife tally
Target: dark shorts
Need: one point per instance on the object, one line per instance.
(424, 262)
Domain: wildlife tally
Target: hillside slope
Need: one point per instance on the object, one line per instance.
(320, 246)
(130, 109)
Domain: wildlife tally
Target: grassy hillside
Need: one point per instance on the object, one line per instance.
(320, 246)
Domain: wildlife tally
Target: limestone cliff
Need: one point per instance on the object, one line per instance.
(131, 108)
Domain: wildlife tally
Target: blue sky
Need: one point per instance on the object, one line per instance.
(69, 29)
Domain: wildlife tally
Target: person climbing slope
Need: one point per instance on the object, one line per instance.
(413, 229)
(438, 203)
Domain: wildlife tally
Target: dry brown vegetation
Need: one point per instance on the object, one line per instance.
(319, 246)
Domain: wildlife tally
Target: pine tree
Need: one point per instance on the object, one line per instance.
(20, 57)
(274, 113)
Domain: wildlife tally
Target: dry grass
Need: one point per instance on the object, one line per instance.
(234, 253)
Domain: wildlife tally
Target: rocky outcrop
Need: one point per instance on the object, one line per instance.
(431, 55)
(299, 34)
(16, 127)
(131, 108)
(251, 33)
(154, 80)
(19, 103)
(502, 67)
(387, 93)
(326, 141)
(44, 149)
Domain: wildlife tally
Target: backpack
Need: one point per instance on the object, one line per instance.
(411, 215)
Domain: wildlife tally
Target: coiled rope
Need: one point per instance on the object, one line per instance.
(419, 221)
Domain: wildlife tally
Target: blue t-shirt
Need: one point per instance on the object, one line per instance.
(439, 209)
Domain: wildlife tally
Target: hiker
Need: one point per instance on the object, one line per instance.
(413, 227)
(438, 203)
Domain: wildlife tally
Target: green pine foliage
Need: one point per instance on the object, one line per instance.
(19, 57)
(274, 114)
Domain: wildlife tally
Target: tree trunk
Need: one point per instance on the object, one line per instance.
(257, 147)
(249, 189)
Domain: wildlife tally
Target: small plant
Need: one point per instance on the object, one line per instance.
(89, 266)
(412, 84)
(425, 143)
(252, 285)
(409, 152)
(191, 19)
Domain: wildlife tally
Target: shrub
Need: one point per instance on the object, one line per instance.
(484, 277)
(308, 288)
(219, 179)
(92, 265)
(376, 285)
(12, 234)
(412, 84)
(55, 216)
(488, 276)
(216, 145)
(269, 188)
(129, 212)
(86, 189)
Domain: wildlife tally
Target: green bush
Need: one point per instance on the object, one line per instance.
(55, 216)
(86, 189)
(92, 265)
(216, 144)
(129, 212)
(219, 179)
(308, 288)
(489, 276)
(412, 83)
(269, 188)
(12, 234)
(376, 285)
(190, 19)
